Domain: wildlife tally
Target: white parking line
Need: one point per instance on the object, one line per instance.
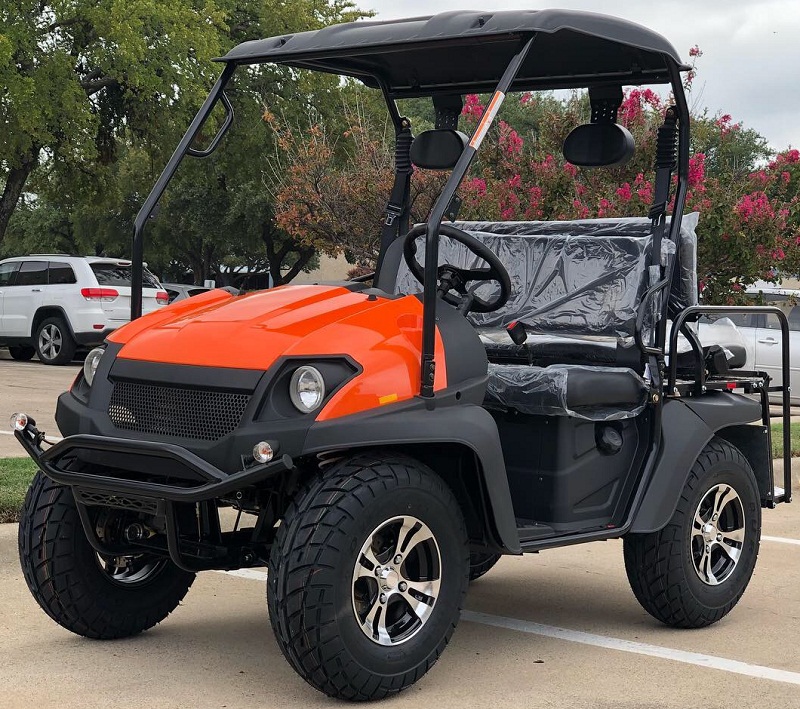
(665, 653)
(780, 540)
(711, 662)
(55, 439)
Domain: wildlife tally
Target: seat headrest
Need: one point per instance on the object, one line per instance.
(599, 145)
(438, 149)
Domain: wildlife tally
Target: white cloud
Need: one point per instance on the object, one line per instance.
(750, 66)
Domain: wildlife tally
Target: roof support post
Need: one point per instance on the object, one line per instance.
(184, 148)
(428, 363)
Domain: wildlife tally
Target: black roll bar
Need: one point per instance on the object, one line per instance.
(184, 148)
(691, 314)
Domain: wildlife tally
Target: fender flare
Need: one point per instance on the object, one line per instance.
(465, 424)
(687, 425)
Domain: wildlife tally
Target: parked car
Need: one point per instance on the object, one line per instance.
(181, 291)
(761, 333)
(52, 304)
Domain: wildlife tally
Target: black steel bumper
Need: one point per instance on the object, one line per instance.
(206, 481)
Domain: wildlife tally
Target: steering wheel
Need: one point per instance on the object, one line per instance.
(452, 278)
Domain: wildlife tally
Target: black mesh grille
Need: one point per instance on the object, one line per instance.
(172, 411)
(126, 502)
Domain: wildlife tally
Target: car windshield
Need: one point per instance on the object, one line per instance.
(114, 274)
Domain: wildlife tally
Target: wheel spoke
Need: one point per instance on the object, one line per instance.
(367, 563)
(732, 552)
(425, 591)
(705, 567)
(722, 499)
(412, 533)
(375, 624)
(735, 535)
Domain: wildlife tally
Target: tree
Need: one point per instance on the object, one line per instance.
(77, 75)
(750, 218)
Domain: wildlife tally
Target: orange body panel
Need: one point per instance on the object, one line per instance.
(217, 329)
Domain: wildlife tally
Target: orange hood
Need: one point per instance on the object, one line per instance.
(382, 335)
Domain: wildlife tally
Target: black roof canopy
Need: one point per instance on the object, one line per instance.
(467, 51)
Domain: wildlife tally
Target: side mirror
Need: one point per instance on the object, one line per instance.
(599, 145)
(438, 149)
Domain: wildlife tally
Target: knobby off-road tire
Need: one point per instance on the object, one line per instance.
(22, 353)
(54, 342)
(71, 583)
(672, 573)
(481, 563)
(335, 554)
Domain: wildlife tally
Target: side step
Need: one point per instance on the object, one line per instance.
(530, 531)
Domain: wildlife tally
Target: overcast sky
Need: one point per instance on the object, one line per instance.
(750, 66)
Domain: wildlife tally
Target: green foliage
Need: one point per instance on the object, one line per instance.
(15, 478)
(98, 95)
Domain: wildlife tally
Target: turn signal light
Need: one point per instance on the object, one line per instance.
(19, 421)
(104, 294)
(262, 452)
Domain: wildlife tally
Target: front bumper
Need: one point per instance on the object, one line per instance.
(201, 481)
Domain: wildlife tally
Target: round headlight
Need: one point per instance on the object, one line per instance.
(307, 389)
(91, 363)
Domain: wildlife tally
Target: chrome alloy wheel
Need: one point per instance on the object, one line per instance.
(396, 580)
(50, 341)
(718, 533)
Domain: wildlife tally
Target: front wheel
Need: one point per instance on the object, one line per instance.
(97, 597)
(693, 572)
(367, 576)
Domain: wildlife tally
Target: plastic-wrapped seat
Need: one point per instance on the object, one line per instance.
(577, 287)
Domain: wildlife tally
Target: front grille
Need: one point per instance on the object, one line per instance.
(171, 411)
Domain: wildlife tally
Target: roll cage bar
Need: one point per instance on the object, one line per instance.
(657, 296)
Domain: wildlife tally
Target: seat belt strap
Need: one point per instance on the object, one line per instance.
(396, 219)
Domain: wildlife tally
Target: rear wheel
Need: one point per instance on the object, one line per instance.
(693, 572)
(481, 563)
(367, 576)
(21, 353)
(54, 342)
(91, 595)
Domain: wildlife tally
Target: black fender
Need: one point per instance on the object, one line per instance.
(468, 425)
(687, 425)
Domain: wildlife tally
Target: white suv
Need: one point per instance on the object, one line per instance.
(50, 305)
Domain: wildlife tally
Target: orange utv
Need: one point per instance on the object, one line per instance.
(493, 388)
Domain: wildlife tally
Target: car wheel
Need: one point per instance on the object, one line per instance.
(54, 342)
(693, 572)
(91, 595)
(21, 353)
(367, 576)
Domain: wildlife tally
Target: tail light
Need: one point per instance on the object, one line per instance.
(104, 294)
(162, 297)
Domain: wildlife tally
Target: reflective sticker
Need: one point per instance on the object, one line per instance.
(486, 121)
(388, 399)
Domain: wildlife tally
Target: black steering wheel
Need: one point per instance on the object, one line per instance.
(452, 278)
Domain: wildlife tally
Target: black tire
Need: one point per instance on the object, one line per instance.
(54, 342)
(481, 563)
(21, 353)
(65, 576)
(312, 590)
(665, 567)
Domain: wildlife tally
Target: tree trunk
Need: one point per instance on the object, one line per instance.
(17, 177)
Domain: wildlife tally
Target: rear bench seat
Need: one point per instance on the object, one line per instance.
(577, 287)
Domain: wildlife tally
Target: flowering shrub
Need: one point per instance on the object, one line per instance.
(749, 221)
